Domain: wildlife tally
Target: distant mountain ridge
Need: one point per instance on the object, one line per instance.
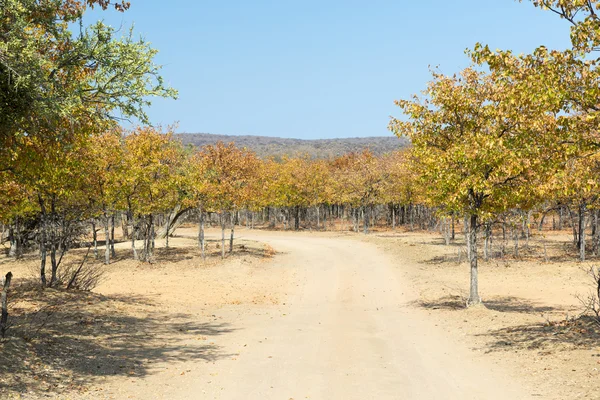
(266, 146)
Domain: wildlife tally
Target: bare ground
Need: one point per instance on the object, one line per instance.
(300, 315)
(531, 323)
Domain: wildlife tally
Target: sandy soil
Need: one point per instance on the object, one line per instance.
(531, 325)
(305, 316)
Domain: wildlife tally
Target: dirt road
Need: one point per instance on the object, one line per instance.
(345, 331)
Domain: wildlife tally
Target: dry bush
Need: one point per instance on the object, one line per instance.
(75, 275)
(269, 251)
(591, 302)
(83, 277)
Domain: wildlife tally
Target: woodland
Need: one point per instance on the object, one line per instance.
(501, 150)
(277, 148)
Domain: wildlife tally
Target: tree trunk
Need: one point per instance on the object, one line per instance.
(594, 223)
(222, 235)
(133, 249)
(53, 239)
(597, 236)
(446, 228)
(42, 241)
(231, 235)
(201, 233)
(560, 218)
(582, 212)
(318, 217)
(486, 245)
(95, 238)
(112, 236)
(541, 224)
(574, 229)
(53, 263)
(167, 240)
(466, 233)
(372, 216)
(148, 238)
(152, 232)
(297, 218)
(124, 226)
(365, 220)
(596, 233)
(516, 238)
(12, 237)
(18, 239)
(107, 238)
(474, 290)
(403, 216)
(527, 229)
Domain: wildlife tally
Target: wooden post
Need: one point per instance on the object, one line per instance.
(4, 301)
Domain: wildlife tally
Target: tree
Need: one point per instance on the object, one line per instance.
(51, 78)
(400, 188)
(150, 181)
(107, 160)
(577, 185)
(198, 194)
(228, 172)
(480, 140)
(359, 179)
(56, 177)
(583, 17)
(16, 211)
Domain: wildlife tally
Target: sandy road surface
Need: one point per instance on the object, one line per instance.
(345, 331)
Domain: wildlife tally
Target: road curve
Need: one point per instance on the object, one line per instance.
(347, 332)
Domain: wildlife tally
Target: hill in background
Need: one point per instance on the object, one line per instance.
(265, 146)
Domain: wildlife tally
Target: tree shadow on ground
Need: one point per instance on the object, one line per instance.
(505, 304)
(446, 258)
(175, 254)
(511, 304)
(392, 235)
(213, 248)
(62, 341)
(443, 303)
(578, 333)
(255, 252)
(440, 241)
(26, 257)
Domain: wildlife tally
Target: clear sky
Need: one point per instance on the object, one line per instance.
(317, 69)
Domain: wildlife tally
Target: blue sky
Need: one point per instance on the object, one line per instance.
(317, 69)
